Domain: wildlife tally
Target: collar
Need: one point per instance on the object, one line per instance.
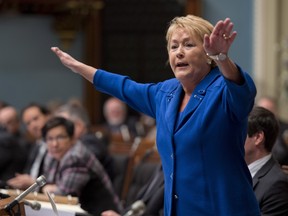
(257, 165)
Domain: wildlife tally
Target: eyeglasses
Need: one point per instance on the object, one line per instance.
(59, 138)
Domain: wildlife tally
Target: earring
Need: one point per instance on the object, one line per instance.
(209, 61)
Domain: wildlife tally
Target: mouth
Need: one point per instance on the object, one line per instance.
(181, 65)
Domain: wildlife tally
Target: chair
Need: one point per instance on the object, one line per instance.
(142, 173)
(143, 159)
(120, 163)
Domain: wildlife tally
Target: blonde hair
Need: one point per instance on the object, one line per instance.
(197, 27)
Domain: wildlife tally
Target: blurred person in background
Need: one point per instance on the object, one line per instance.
(14, 146)
(10, 120)
(72, 169)
(97, 143)
(34, 117)
(13, 157)
(118, 123)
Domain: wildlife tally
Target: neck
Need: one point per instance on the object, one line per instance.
(255, 157)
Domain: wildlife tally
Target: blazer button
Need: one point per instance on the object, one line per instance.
(175, 197)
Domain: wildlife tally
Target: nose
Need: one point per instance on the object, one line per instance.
(180, 52)
(52, 142)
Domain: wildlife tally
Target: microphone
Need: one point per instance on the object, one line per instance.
(34, 205)
(137, 209)
(40, 181)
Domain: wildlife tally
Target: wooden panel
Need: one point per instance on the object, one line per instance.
(134, 35)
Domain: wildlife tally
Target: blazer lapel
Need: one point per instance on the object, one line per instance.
(196, 97)
(263, 171)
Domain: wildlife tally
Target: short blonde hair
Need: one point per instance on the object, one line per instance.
(197, 26)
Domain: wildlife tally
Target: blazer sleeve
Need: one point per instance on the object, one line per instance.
(139, 96)
(240, 98)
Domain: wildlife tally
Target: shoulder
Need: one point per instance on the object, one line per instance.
(169, 84)
(274, 174)
(78, 153)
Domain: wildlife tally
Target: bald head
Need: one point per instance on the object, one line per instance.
(9, 119)
(115, 111)
(268, 103)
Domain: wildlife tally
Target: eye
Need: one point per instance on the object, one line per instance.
(190, 45)
(173, 46)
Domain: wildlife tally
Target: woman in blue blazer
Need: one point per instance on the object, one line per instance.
(201, 118)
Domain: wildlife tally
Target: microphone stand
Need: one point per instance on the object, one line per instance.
(40, 181)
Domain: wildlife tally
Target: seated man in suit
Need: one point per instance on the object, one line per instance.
(12, 157)
(34, 116)
(150, 195)
(71, 169)
(270, 183)
(12, 141)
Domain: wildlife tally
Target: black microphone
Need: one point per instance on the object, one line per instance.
(34, 205)
(40, 181)
(137, 209)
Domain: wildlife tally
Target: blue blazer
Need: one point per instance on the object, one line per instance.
(201, 149)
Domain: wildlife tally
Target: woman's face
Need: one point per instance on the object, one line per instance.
(187, 57)
(58, 142)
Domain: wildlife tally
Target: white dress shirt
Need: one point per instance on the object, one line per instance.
(256, 165)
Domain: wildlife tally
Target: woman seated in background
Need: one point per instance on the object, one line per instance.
(71, 169)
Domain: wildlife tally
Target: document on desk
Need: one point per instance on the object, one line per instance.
(63, 210)
(48, 209)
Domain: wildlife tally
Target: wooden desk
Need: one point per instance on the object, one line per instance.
(17, 209)
(66, 206)
(42, 197)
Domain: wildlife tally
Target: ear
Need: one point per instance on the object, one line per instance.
(259, 138)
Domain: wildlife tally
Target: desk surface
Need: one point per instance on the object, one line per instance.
(63, 210)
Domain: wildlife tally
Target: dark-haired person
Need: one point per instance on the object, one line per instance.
(34, 116)
(270, 183)
(72, 169)
(97, 144)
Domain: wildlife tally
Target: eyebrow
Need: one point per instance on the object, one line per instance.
(184, 39)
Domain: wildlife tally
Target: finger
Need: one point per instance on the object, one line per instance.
(232, 37)
(228, 29)
(218, 29)
(54, 49)
(206, 42)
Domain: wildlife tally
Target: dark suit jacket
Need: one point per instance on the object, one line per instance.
(12, 156)
(152, 194)
(280, 148)
(270, 185)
